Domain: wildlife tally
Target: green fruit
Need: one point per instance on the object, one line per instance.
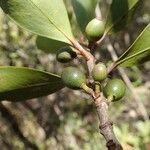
(95, 29)
(99, 72)
(65, 55)
(73, 78)
(114, 89)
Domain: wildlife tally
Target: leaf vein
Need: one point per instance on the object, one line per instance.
(49, 20)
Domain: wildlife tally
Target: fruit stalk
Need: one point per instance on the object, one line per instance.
(106, 127)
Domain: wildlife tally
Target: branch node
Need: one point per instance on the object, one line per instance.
(105, 125)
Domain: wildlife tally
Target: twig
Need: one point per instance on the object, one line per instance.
(101, 104)
(126, 79)
(106, 128)
(86, 54)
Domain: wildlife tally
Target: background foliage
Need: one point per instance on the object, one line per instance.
(67, 120)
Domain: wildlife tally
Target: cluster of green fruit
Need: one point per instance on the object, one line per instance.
(75, 79)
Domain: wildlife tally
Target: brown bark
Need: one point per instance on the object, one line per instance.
(106, 126)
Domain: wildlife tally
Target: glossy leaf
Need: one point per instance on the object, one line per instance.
(17, 84)
(138, 52)
(120, 14)
(47, 18)
(49, 45)
(84, 11)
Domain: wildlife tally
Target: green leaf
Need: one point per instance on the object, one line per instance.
(138, 52)
(84, 11)
(17, 84)
(120, 14)
(47, 18)
(49, 45)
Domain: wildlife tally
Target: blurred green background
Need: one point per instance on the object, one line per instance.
(67, 120)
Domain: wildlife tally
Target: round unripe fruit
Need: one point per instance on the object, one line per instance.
(73, 78)
(114, 89)
(95, 29)
(99, 72)
(65, 55)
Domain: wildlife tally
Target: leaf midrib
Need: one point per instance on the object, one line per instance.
(33, 85)
(134, 55)
(49, 20)
(134, 43)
